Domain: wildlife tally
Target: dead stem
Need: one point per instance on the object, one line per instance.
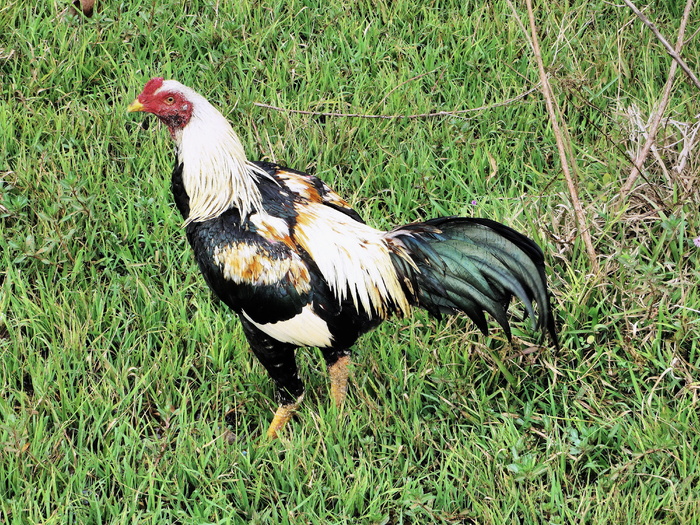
(674, 53)
(389, 117)
(651, 134)
(563, 148)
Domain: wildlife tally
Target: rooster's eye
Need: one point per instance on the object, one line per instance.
(170, 100)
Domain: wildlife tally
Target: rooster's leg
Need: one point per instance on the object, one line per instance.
(338, 361)
(278, 360)
(283, 414)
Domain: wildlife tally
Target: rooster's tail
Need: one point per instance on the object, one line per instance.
(474, 266)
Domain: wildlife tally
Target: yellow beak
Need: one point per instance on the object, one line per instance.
(135, 106)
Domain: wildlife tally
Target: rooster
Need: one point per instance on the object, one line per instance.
(301, 268)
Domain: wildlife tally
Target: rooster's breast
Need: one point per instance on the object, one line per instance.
(265, 278)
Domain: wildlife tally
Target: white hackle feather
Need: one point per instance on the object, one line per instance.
(216, 173)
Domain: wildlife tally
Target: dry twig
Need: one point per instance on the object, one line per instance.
(420, 115)
(651, 136)
(571, 181)
(674, 53)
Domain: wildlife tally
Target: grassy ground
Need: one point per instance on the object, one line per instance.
(129, 396)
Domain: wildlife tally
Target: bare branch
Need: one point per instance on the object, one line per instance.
(641, 158)
(390, 117)
(571, 181)
(674, 53)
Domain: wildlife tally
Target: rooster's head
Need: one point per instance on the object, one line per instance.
(167, 100)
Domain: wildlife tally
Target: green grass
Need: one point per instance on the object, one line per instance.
(129, 396)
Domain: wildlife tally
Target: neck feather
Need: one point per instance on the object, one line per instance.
(216, 174)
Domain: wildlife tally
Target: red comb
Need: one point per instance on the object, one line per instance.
(152, 86)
